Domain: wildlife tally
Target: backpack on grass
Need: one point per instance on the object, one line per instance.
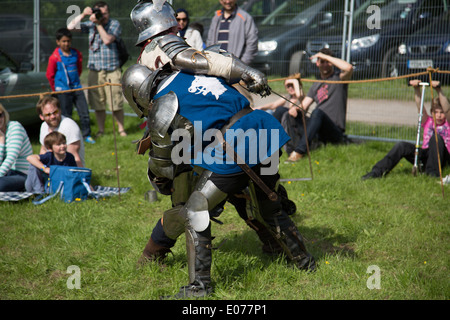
(71, 183)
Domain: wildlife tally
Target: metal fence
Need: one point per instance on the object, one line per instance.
(381, 38)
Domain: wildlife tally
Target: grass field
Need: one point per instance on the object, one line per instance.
(398, 225)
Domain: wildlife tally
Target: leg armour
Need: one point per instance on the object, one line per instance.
(199, 254)
(205, 197)
(270, 245)
(283, 229)
(198, 236)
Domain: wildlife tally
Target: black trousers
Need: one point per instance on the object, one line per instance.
(428, 157)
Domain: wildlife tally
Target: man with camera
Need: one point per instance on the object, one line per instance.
(103, 62)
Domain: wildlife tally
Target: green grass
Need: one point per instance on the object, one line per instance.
(399, 223)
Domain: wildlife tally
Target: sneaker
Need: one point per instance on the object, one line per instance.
(89, 140)
(371, 175)
(294, 157)
(446, 180)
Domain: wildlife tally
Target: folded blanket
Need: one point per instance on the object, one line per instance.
(99, 192)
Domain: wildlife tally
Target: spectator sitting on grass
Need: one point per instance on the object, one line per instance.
(40, 164)
(49, 111)
(440, 109)
(15, 146)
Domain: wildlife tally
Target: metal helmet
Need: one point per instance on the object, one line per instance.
(135, 82)
(151, 18)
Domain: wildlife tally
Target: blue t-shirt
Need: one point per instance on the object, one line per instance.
(209, 103)
(49, 159)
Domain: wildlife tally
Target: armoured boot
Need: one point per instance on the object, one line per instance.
(199, 254)
(282, 228)
(153, 252)
(270, 244)
(297, 250)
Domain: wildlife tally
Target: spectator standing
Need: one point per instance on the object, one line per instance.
(327, 121)
(15, 147)
(192, 36)
(63, 73)
(103, 62)
(235, 31)
(49, 111)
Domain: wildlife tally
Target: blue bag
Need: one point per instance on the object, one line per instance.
(71, 183)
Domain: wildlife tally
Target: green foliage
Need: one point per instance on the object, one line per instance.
(399, 223)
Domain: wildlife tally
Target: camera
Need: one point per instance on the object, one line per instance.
(98, 13)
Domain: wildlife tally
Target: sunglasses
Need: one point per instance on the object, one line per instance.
(2, 115)
(48, 115)
(181, 19)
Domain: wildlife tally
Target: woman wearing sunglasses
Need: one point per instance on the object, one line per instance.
(192, 36)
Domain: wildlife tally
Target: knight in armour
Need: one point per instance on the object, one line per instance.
(177, 88)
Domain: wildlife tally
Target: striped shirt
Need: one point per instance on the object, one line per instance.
(224, 31)
(17, 147)
(102, 56)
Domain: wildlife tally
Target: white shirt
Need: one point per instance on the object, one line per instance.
(194, 39)
(70, 129)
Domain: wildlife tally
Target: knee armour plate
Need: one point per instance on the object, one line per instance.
(206, 197)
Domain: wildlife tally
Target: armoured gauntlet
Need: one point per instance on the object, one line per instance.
(256, 81)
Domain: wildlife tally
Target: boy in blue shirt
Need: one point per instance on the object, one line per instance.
(63, 73)
(40, 163)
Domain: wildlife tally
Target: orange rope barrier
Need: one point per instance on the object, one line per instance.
(295, 76)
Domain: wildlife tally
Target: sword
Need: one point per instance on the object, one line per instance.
(245, 167)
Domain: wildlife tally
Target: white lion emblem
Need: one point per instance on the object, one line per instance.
(205, 85)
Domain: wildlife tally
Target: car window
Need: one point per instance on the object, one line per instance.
(7, 24)
(440, 26)
(432, 8)
(287, 11)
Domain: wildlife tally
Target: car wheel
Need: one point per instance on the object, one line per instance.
(297, 64)
(389, 67)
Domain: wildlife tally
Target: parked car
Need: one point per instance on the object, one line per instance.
(284, 32)
(428, 47)
(17, 79)
(372, 49)
(283, 29)
(17, 38)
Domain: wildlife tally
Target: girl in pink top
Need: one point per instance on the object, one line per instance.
(428, 154)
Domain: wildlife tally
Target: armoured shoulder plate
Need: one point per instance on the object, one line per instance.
(172, 44)
(162, 113)
(138, 85)
(183, 56)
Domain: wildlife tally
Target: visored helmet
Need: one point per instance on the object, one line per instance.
(134, 85)
(151, 18)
